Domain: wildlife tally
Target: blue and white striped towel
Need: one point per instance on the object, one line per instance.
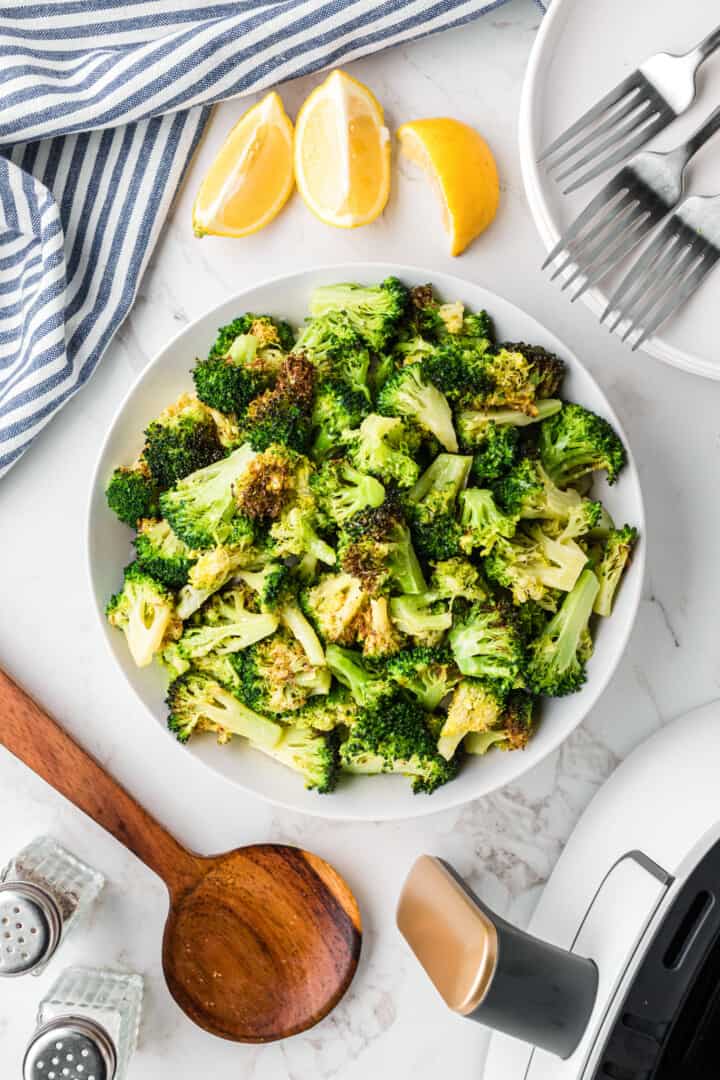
(102, 103)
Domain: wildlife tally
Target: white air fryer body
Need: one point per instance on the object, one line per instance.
(628, 858)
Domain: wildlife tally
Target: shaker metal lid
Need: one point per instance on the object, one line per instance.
(30, 925)
(451, 936)
(70, 1048)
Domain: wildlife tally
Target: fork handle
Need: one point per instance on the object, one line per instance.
(704, 132)
(706, 47)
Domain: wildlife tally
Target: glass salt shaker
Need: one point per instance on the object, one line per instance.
(43, 891)
(88, 1026)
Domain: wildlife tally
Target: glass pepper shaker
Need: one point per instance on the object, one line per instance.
(88, 1026)
(43, 891)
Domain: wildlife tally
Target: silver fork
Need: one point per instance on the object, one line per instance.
(669, 270)
(629, 116)
(626, 210)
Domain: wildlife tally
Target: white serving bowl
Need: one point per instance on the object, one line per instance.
(109, 550)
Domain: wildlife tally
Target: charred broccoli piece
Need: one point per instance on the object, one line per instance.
(520, 376)
(272, 585)
(244, 360)
(483, 522)
(374, 311)
(162, 554)
(376, 546)
(342, 491)
(144, 610)
(132, 495)
(199, 703)
(576, 442)
(617, 552)
(201, 508)
(383, 447)
(181, 440)
(429, 674)
(379, 636)
(407, 393)
(268, 483)
(432, 507)
(558, 657)
(487, 645)
(338, 407)
(367, 687)
(283, 414)
(516, 727)
(276, 675)
(546, 370)
(476, 706)
(393, 736)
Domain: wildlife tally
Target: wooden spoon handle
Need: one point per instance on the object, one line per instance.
(38, 741)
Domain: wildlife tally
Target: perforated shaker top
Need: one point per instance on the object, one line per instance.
(70, 1048)
(30, 925)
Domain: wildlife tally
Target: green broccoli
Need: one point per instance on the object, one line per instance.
(132, 495)
(457, 579)
(244, 360)
(376, 547)
(408, 394)
(429, 674)
(486, 644)
(374, 311)
(456, 369)
(314, 754)
(294, 534)
(283, 414)
(514, 731)
(392, 736)
(575, 442)
(144, 610)
(496, 453)
(617, 551)
(224, 385)
(264, 328)
(201, 508)
(476, 706)
(534, 563)
(421, 617)
(521, 375)
(474, 425)
(226, 624)
(366, 687)
(272, 585)
(337, 407)
(528, 492)
(333, 604)
(383, 447)
(181, 440)
(432, 506)
(162, 554)
(558, 657)
(198, 703)
(483, 523)
(342, 491)
(276, 675)
(325, 712)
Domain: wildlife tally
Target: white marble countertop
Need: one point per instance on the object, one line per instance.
(390, 1023)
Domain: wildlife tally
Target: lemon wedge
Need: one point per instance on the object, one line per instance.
(462, 168)
(342, 153)
(251, 178)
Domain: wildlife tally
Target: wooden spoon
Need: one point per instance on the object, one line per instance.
(260, 943)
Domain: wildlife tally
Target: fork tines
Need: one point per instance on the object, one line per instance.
(668, 271)
(609, 227)
(608, 133)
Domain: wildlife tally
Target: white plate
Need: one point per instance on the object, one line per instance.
(109, 549)
(582, 50)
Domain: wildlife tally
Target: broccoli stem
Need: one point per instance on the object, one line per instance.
(298, 625)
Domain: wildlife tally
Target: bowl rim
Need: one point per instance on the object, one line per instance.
(418, 808)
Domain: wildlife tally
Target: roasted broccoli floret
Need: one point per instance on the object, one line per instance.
(342, 490)
(457, 579)
(474, 425)
(456, 368)
(534, 563)
(521, 375)
(337, 408)
(483, 522)
(545, 370)
(495, 454)
(575, 442)
(429, 674)
(432, 506)
(213, 569)
(314, 754)
(162, 554)
(366, 687)
(518, 721)
(244, 360)
(181, 440)
(325, 712)
(283, 414)
(476, 706)
(294, 534)
(374, 311)
(198, 702)
(269, 482)
(616, 555)
(407, 393)
(421, 617)
(379, 636)
(392, 736)
(333, 604)
(337, 352)
(276, 675)
(145, 612)
(225, 385)
(383, 447)
(201, 508)
(486, 644)
(265, 329)
(272, 585)
(528, 492)
(558, 657)
(376, 547)
(132, 494)
(226, 624)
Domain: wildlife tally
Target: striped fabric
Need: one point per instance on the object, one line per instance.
(102, 103)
